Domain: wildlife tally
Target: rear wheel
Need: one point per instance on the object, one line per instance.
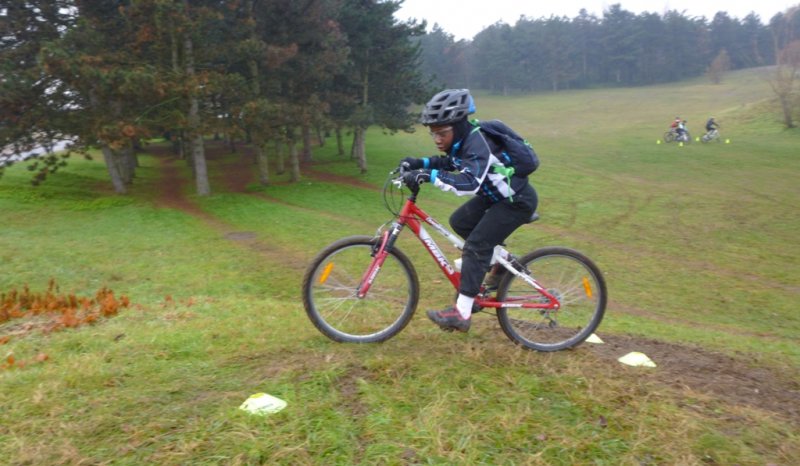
(330, 288)
(569, 276)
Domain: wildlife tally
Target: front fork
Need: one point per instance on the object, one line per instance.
(380, 251)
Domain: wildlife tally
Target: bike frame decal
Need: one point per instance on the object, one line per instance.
(412, 216)
(433, 248)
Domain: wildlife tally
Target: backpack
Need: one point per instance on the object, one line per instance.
(517, 152)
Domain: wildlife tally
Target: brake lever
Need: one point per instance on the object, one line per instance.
(401, 170)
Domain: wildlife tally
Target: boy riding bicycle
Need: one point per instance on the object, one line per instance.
(500, 205)
(711, 127)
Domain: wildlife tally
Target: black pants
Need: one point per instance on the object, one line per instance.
(483, 226)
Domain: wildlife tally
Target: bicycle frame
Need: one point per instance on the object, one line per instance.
(414, 217)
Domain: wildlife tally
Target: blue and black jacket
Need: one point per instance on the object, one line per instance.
(467, 169)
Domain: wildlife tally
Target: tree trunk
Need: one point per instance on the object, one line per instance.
(786, 106)
(126, 164)
(294, 161)
(195, 130)
(361, 154)
(200, 169)
(320, 136)
(117, 181)
(306, 133)
(339, 141)
(262, 160)
(281, 169)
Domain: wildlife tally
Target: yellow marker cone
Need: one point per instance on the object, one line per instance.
(680, 144)
(637, 359)
(727, 141)
(697, 138)
(658, 141)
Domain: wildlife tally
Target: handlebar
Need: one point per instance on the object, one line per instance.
(399, 182)
(395, 179)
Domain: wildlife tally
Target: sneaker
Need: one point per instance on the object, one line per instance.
(450, 319)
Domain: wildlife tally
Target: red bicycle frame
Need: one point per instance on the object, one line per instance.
(414, 217)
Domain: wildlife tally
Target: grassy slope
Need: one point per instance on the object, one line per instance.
(697, 243)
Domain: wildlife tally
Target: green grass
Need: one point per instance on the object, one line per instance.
(698, 245)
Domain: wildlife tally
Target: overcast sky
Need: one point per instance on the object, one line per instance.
(465, 18)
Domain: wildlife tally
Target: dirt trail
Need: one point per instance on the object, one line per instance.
(734, 380)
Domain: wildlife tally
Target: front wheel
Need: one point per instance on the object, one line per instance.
(577, 284)
(330, 288)
(669, 136)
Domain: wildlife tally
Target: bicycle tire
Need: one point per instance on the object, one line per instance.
(570, 276)
(331, 282)
(669, 136)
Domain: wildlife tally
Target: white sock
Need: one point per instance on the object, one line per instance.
(464, 305)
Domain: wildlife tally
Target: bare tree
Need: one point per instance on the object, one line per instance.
(787, 67)
(718, 67)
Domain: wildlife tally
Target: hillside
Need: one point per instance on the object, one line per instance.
(698, 245)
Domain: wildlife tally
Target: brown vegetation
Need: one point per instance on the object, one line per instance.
(51, 311)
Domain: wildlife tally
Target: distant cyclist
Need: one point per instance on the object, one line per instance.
(675, 123)
(681, 130)
(711, 126)
(499, 204)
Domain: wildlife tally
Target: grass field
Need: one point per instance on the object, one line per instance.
(698, 244)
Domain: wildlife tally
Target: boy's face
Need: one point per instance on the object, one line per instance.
(442, 137)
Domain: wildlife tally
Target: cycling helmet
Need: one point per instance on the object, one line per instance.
(447, 107)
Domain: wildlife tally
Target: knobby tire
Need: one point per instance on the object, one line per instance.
(570, 276)
(330, 287)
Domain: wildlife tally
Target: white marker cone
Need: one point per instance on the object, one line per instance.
(637, 359)
(261, 403)
(594, 339)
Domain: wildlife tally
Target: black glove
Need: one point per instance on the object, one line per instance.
(415, 178)
(412, 163)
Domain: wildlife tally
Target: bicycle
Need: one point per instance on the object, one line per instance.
(364, 289)
(672, 135)
(712, 135)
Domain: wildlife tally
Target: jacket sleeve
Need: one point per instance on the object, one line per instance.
(440, 162)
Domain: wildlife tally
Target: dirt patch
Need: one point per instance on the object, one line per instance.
(734, 380)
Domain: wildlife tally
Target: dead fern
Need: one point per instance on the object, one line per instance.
(52, 311)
